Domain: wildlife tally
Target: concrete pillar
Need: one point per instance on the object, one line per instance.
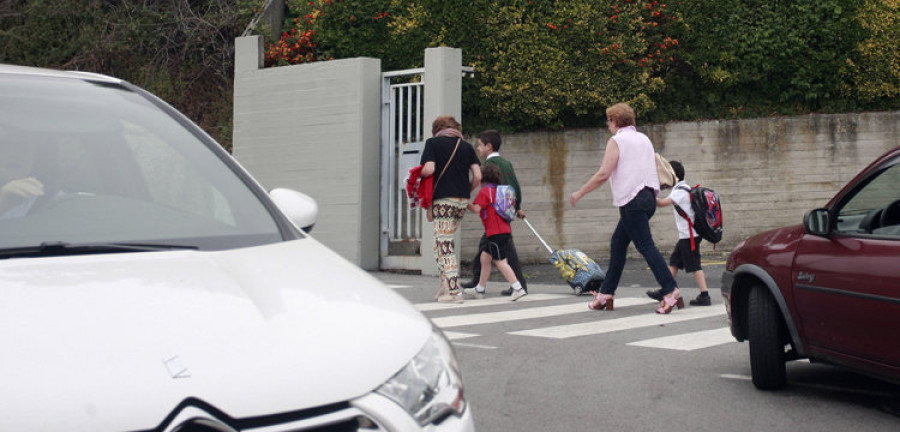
(315, 128)
(248, 54)
(443, 96)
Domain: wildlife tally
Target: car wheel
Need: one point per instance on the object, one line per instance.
(766, 336)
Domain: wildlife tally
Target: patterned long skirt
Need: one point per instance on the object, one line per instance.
(447, 212)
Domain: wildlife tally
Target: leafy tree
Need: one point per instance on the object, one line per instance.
(872, 71)
(539, 63)
(182, 50)
(762, 57)
(561, 64)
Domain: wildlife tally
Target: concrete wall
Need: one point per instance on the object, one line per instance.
(315, 128)
(768, 173)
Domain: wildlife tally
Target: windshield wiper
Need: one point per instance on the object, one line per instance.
(58, 248)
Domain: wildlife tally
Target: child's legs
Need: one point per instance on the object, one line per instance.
(498, 246)
(506, 270)
(676, 260)
(485, 260)
(691, 262)
(700, 277)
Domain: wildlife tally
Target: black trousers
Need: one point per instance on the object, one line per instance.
(512, 258)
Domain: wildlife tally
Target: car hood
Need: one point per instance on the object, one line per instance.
(116, 341)
(773, 249)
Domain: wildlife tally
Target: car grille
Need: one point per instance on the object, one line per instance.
(194, 415)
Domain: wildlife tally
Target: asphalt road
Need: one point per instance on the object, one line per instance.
(547, 363)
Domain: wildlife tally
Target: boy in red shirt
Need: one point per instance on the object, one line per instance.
(498, 234)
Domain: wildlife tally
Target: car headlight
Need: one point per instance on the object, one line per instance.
(430, 386)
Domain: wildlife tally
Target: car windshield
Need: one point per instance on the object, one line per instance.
(87, 162)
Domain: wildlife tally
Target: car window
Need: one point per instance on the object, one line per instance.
(82, 162)
(874, 208)
(172, 180)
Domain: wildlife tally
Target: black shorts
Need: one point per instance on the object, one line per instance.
(684, 258)
(498, 246)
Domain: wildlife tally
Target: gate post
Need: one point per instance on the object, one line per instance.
(443, 96)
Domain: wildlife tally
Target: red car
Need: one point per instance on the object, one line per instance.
(827, 290)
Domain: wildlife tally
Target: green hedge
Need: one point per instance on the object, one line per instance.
(540, 64)
(544, 64)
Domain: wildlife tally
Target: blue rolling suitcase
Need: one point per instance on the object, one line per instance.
(581, 272)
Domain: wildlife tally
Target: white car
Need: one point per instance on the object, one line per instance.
(148, 283)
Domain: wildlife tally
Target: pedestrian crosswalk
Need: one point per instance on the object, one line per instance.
(461, 321)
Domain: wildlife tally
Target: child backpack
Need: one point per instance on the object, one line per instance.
(708, 218)
(504, 202)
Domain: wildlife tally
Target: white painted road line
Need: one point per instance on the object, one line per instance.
(690, 341)
(471, 345)
(457, 335)
(617, 324)
(435, 306)
(528, 313)
(736, 377)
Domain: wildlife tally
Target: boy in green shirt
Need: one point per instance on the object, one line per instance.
(488, 147)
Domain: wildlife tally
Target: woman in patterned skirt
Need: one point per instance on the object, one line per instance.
(450, 159)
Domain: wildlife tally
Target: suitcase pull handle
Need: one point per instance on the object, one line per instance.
(538, 235)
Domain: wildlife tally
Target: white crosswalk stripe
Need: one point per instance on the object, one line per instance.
(682, 342)
(430, 307)
(459, 335)
(689, 341)
(526, 313)
(619, 324)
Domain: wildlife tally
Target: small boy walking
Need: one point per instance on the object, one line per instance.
(489, 143)
(498, 234)
(686, 255)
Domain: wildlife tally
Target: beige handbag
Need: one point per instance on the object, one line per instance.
(665, 172)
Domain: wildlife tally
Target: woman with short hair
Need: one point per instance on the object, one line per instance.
(629, 165)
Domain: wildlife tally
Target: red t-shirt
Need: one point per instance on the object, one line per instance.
(493, 223)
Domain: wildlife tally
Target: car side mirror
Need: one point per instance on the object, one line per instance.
(817, 222)
(300, 208)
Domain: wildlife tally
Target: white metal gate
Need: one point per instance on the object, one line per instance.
(403, 140)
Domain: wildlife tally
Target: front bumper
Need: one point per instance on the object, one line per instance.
(390, 417)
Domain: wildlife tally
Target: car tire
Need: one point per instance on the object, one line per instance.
(766, 340)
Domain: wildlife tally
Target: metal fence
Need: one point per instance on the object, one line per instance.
(402, 144)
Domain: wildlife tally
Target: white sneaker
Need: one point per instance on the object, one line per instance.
(472, 292)
(517, 294)
(447, 298)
